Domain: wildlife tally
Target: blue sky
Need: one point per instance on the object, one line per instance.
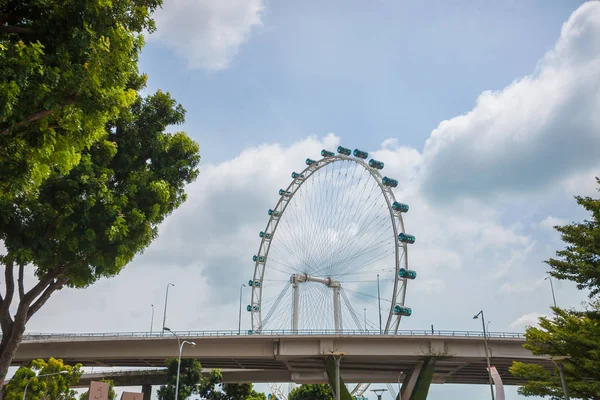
(364, 70)
(486, 113)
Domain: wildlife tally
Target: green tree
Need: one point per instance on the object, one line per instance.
(240, 391)
(90, 222)
(112, 395)
(580, 260)
(207, 386)
(43, 387)
(191, 380)
(64, 73)
(574, 334)
(311, 392)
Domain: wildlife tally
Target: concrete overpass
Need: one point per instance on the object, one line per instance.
(282, 357)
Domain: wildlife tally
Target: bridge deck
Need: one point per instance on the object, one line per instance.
(298, 358)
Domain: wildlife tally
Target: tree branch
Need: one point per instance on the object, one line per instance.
(39, 115)
(20, 281)
(33, 117)
(17, 29)
(41, 285)
(54, 286)
(9, 18)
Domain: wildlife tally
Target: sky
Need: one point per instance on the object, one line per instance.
(485, 112)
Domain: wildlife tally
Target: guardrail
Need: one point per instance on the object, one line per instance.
(233, 333)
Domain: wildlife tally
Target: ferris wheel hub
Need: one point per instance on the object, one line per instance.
(300, 278)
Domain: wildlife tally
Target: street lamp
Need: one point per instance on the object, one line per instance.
(41, 376)
(152, 319)
(165, 313)
(487, 356)
(240, 318)
(561, 371)
(378, 392)
(337, 356)
(551, 288)
(180, 345)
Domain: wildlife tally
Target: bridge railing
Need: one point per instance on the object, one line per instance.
(214, 333)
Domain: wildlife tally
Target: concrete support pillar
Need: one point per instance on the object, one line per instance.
(147, 391)
(330, 369)
(417, 382)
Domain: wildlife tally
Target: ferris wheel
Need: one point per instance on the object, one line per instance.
(333, 255)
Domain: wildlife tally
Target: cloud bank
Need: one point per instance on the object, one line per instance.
(207, 33)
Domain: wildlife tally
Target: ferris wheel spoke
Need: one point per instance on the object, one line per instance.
(358, 238)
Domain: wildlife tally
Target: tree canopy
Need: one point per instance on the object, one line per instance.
(43, 387)
(311, 392)
(574, 334)
(580, 260)
(90, 222)
(64, 73)
(208, 386)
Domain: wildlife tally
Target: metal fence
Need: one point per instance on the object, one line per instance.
(235, 333)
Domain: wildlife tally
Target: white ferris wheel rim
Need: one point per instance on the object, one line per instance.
(400, 248)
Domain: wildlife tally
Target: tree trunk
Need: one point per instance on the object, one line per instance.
(29, 304)
(10, 342)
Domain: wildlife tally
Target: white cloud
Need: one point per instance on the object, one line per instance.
(550, 222)
(522, 286)
(539, 128)
(530, 319)
(207, 33)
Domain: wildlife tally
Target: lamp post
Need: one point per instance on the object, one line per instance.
(551, 288)
(379, 304)
(487, 356)
(561, 371)
(365, 318)
(41, 376)
(165, 312)
(180, 345)
(240, 317)
(152, 318)
(378, 392)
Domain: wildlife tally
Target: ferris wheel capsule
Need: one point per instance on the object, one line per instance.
(399, 207)
(389, 182)
(344, 151)
(267, 236)
(274, 213)
(327, 153)
(404, 311)
(297, 176)
(360, 154)
(407, 273)
(405, 238)
(375, 164)
(310, 161)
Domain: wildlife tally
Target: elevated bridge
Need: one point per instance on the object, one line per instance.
(284, 357)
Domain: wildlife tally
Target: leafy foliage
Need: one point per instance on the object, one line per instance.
(64, 73)
(311, 392)
(570, 333)
(43, 387)
(192, 382)
(580, 260)
(241, 391)
(90, 222)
